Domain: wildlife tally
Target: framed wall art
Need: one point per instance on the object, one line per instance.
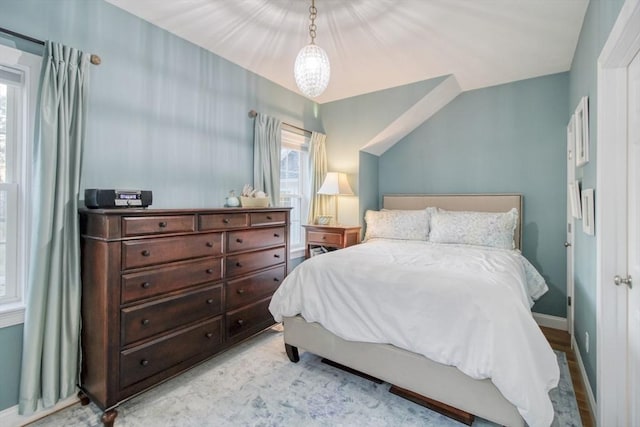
(581, 129)
(588, 220)
(574, 198)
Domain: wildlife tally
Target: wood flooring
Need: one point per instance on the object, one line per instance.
(561, 341)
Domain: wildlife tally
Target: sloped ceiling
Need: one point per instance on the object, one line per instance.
(378, 44)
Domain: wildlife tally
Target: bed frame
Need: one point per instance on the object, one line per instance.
(403, 369)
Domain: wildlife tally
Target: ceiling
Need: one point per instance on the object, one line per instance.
(378, 44)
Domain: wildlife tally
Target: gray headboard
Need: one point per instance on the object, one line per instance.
(460, 202)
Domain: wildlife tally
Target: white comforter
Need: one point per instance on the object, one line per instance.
(458, 305)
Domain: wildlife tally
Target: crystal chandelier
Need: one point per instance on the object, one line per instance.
(312, 70)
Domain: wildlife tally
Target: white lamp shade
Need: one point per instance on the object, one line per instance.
(336, 183)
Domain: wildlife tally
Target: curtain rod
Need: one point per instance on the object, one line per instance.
(95, 59)
(254, 113)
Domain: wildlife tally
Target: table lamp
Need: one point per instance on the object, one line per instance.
(335, 184)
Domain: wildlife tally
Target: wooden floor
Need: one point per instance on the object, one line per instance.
(561, 341)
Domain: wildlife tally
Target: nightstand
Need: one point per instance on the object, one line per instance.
(331, 236)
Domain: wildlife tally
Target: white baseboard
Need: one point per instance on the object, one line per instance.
(585, 379)
(10, 417)
(553, 322)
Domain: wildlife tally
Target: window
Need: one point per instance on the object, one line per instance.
(18, 81)
(294, 166)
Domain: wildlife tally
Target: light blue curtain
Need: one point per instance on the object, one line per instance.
(50, 352)
(318, 203)
(267, 140)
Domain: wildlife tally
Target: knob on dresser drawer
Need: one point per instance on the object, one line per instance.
(145, 285)
(239, 240)
(209, 244)
(240, 322)
(145, 252)
(209, 334)
(145, 322)
(144, 362)
(240, 291)
(210, 301)
(162, 224)
(209, 270)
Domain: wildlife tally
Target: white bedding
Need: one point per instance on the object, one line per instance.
(464, 306)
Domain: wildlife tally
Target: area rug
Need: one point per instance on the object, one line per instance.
(255, 384)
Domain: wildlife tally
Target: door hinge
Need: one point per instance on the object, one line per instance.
(569, 301)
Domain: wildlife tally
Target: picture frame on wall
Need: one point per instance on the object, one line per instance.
(574, 198)
(571, 138)
(588, 220)
(581, 129)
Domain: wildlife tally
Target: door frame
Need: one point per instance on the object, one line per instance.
(611, 215)
(570, 228)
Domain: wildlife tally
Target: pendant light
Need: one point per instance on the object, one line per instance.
(311, 69)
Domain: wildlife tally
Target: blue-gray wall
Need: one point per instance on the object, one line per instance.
(503, 139)
(164, 114)
(599, 20)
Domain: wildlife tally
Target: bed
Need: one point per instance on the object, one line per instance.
(523, 368)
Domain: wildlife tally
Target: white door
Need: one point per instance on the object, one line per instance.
(571, 174)
(633, 254)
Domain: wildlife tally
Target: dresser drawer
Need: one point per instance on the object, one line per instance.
(237, 265)
(146, 284)
(249, 320)
(243, 291)
(136, 226)
(319, 237)
(146, 320)
(267, 218)
(223, 221)
(139, 253)
(146, 360)
(253, 239)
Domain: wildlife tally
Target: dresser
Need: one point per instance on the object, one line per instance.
(163, 290)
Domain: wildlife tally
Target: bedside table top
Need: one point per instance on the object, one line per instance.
(332, 227)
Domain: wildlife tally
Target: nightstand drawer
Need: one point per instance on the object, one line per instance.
(136, 226)
(320, 238)
(146, 320)
(245, 240)
(140, 253)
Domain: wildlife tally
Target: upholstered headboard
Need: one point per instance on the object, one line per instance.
(460, 202)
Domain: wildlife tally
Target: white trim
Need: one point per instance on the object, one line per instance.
(11, 315)
(10, 417)
(585, 379)
(553, 322)
(611, 311)
(297, 253)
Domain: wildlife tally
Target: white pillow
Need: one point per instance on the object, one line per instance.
(474, 228)
(397, 224)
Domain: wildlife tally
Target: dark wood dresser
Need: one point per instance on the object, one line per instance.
(163, 290)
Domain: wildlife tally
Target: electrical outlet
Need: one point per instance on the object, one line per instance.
(586, 342)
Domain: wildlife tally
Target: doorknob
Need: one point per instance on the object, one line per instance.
(626, 280)
(567, 244)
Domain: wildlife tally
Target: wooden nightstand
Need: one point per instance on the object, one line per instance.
(331, 236)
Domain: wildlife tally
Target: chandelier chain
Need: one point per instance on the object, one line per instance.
(313, 12)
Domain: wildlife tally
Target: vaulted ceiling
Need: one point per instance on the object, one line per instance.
(378, 44)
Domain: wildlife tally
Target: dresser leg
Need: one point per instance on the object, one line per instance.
(84, 399)
(109, 417)
(292, 353)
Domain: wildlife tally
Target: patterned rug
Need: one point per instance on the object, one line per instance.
(255, 384)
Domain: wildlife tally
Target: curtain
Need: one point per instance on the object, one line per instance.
(51, 341)
(266, 156)
(318, 203)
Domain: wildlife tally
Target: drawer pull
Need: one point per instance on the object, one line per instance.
(146, 253)
(240, 322)
(238, 264)
(276, 256)
(269, 217)
(145, 322)
(276, 235)
(209, 244)
(209, 270)
(275, 279)
(210, 301)
(240, 291)
(324, 237)
(146, 285)
(226, 221)
(209, 334)
(162, 224)
(239, 240)
(144, 362)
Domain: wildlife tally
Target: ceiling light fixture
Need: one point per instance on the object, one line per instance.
(312, 68)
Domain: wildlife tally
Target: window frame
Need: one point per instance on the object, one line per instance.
(298, 141)
(19, 183)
